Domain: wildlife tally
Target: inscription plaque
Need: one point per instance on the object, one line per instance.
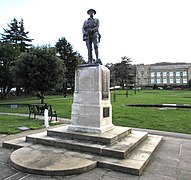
(106, 112)
(105, 85)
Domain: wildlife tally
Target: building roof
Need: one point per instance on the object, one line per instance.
(170, 66)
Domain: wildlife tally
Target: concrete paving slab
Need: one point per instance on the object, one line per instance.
(148, 176)
(183, 174)
(169, 151)
(37, 177)
(168, 162)
(5, 155)
(6, 171)
(185, 155)
(186, 145)
(120, 176)
(16, 176)
(185, 166)
(162, 170)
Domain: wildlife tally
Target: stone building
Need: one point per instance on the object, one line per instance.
(161, 74)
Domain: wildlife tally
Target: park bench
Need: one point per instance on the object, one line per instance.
(38, 109)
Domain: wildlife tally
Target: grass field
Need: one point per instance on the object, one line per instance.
(175, 120)
(9, 124)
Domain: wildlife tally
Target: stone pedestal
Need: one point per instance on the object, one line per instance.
(91, 109)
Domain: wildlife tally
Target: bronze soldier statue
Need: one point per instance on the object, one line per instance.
(91, 35)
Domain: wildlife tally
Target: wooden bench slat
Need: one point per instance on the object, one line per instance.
(38, 109)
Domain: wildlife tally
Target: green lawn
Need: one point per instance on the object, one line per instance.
(176, 120)
(9, 124)
(60, 104)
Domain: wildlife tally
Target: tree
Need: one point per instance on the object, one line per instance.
(40, 70)
(17, 35)
(122, 71)
(71, 59)
(8, 55)
(189, 83)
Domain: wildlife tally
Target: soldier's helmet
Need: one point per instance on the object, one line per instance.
(91, 10)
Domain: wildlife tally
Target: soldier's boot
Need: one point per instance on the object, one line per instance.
(98, 61)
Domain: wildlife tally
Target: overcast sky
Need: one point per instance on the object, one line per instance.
(147, 31)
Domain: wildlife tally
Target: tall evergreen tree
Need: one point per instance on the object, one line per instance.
(123, 71)
(71, 59)
(8, 55)
(17, 35)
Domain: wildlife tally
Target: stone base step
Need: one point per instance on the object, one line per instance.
(84, 146)
(124, 146)
(137, 160)
(108, 137)
(39, 159)
(119, 149)
(16, 143)
(61, 152)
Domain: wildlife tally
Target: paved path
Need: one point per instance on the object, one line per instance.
(63, 120)
(171, 161)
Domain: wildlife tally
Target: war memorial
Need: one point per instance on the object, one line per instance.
(91, 140)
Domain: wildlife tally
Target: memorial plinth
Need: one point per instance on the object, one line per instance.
(91, 108)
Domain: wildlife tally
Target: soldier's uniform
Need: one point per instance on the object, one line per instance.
(91, 35)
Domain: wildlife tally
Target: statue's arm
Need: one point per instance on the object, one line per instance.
(83, 28)
(84, 32)
(99, 35)
(97, 23)
(96, 29)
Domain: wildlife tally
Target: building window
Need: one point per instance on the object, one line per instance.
(158, 74)
(158, 81)
(177, 74)
(164, 74)
(185, 81)
(171, 74)
(152, 74)
(152, 81)
(178, 81)
(1, 63)
(171, 81)
(184, 73)
(164, 81)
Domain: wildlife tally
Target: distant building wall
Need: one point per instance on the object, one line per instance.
(174, 74)
(189, 73)
(142, 75)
